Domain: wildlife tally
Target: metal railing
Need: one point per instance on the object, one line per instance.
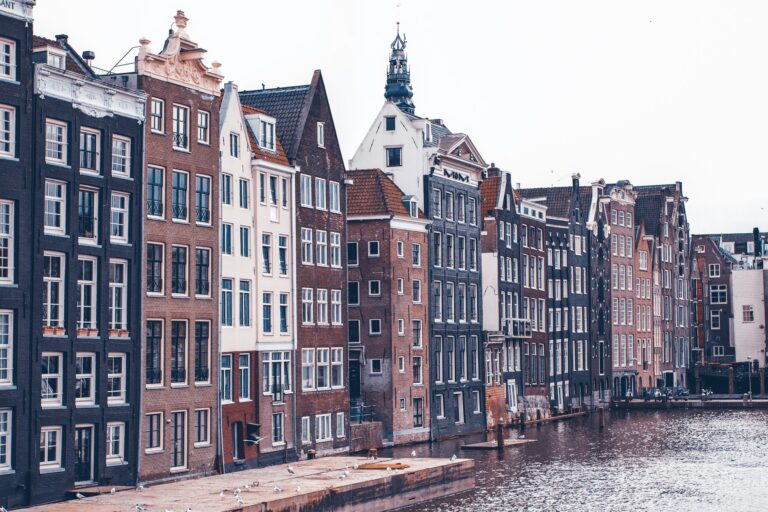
(202, 214)
(178, 285)
(154, 207)
(154, 284)
(278, 393)
(518, 327)
(178, 374)
(179, 211)
(202, 287)
(154, 375)
(202, 374)
(180, 140)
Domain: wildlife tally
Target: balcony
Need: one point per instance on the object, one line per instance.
(179, 285)
(154, 375)
(180, 140)
(202, 215)
(202, 374)
(178, 375)
(517, 327)
(154, 207)
(202, 287)
(154, 284)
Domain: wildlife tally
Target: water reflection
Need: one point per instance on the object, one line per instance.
(676, 460)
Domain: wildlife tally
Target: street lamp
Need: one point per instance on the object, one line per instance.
(749, 360)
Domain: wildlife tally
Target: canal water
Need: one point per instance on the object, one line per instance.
(643, 460)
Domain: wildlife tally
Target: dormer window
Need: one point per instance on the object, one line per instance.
(389, 123)
(321, 135)
(413, 208)
(427, 132)
(56, 59)
(267, 135)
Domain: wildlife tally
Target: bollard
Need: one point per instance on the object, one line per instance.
(499, 436)
(522, 423)
(601, 417)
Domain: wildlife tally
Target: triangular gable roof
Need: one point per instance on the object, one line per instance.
(449, 143)
(74, 61)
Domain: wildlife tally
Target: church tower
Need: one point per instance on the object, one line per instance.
(398, 88)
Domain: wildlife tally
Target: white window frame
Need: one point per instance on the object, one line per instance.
(336, 307)
(340, 421)
(307, 306)
(207, 432)
(323, 428)
(55, 400)
(334, 197)
(321, 244)
(115, 457)
(153, 115)
(7, 130)
(306, 432)
(121, 156)
(90, 399)
(305, 186)
(8, 47)
(371, 331)
(322, 306)
(121, 212)
(122, 375)
(7, 242)
(321, 194)
(55, 463)
(6, 439)
(307, 251)
(206, 130)
(6, 348)
(335, 255)
(308, 373)
(94, 288)
(56, 144)
(47, 284)
(321, 135)
(96, 169)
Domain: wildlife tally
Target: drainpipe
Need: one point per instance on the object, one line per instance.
(294, 314)
(219, 421)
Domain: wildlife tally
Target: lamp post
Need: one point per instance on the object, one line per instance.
(749, 360)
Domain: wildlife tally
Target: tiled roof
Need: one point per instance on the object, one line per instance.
(373, 193)
(648, 209)
(734, 237)
(287, 105)
(489, 194)
(74, 62)
(277, 156)
(438, 130)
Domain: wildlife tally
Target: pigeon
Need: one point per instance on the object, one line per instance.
(413, 453)
(453, 457)
(342, 476)
(237, 491)
(355, 466)
(346, 472)
(291, 471)
(140, 487)
(79, 496)
(240, 501)
(255, 484)
(112, 491)
(139, 508)
(247, 486)
(189, 509)
(278, 489)
(298, 488)
(221, 494)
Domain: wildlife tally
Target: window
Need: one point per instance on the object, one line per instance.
(155, 192)
(7, 66)
(6, 352)
(714, 270)
(748, 313)
(53, 290)
(322, 368)
(449, 206)
(203, 199)
(352, 259)
(335, 196)
(118, 295)
(52, 377)
(306, 190)
(416, 330)
(320, 194)
(375, 366)
(50, 448)
(449, 252)
(90, 144)
(283, 313)
(416, 254)
(374, 288)
(267, 135)
(7, 248)
(54, 215)
(336, 250)
(373, 249)
(7, 128)
(202, 272)
(353, 293)
(306, 434)
(476, 402)
(115, 443)
(462, 208)
(714, 319)
(353, 335)
(308, 369)
(245, 303)
(439, 406)
(336, 307)
(121, 155)
(178, 439)
(400, 249)
(178, 352)
(307, 306)
(472, 211)
(437, 299)
(718, 294)
(273, 190)
(306, 246)
(116, 379)
(473, 309)
(418, 412)
(458, 417)
(6, 435)
(225, 390)
(180, 127)
(449, 302)
(400, 286)
(86, 294)
(437, 203)
(154, 354)
(417, 371)
(88, 216)
(157, 115)
(323, 427)
(226, 302)
(400, 327)
(244, 377)
(473, 257)
(389, 122)
(179, 195)
(118, 229)
(277, 428)
(154, 433)
(266, 253)
(155, 268)
(245, 241)
(282, 253)
(337, 367)
(202, 351)
(437, 248)
(203, 127)
(416, 291)
(85, 379)
(321, 241)
(178, 270)
(245, 193)
(321, 135)
(340, 422)
(226, 189)
(266, 312)
(374, 327)
(56, 143)
(202, 427)
(394, 157)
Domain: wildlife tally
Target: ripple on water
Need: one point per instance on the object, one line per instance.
(678, 461)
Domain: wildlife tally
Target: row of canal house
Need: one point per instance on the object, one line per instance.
(282, 300)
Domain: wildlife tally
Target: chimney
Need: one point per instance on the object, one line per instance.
(575, 179)
(492, 171)
(89, 56)
(758, 243)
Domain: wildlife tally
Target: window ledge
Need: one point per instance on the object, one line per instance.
(118, 404)
(119, 462)
(153, 451)
(202, 445)
(179, 385)
(58, 469)
(9, 158)
(179, 470)
(202, 384)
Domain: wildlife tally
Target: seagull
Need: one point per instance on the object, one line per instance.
(298, 488)
(112, 491)
(521, 436)
(79, 496)
(277, 488)
(342, 476)
(139, 508)
(453, 457)
(140, 487)
(237, 491)
(389, 469)
(189, 509)
(413, 453)
(355, 466)
(346, 472)
(240, 501)
(247, 486)
(291, 471)
(221, 494)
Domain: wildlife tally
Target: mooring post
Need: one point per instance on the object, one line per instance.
(601, 417)
(499, 436)
(522, 423)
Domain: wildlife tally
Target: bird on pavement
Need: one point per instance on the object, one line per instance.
(240, 501)
(140, 487)
(221, 494)
(291, 471)
(413, 453)
(277, 489)
(79, 496)
(453, 457)
(112, 491)
(139, 508)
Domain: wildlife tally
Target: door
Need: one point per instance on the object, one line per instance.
(83, 454)
(354, 379)
(179, 439)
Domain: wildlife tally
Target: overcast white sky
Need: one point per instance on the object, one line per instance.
(652, 91)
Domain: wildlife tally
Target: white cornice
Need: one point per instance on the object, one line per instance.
(19, 9)
(93, 97)
(274, 166)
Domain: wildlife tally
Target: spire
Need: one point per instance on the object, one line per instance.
(398, 88)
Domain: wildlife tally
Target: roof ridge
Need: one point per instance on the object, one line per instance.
(286, 88)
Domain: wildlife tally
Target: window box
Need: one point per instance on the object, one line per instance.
(118, 333)
(53, 331)
(86, 332)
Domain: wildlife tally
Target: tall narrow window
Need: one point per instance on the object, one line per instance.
(203, 127)
(245, 241)
(336, 307)
(202, 272)
(154, 352)
(85, 379)
(178, 352)
(226, 189)
(202, 351)
(202, 199)
(7, 64)
(157, 115)
(321, 241)
(321, 135)
(335, 196)
(180, 127)
(305, 185)
(266, 253)
(178, 439)
(87, 215)
(86, 294)
(55, 209)
(155, 192)
(244, 376)
(245, 303)
(245, 193)
(321, 194)
(282, 254)
(53, 290)
(226, 238)
(225, 386)
(266, 312)
(118, 224)
(116, 379)
(7, 248)
(336, 250)
(226, 303)
(154, 268)
(6, 434)
(179, 270)
(118, 296)
(7, 129)
(234, 145)
(56, 143)
(121, 155)
(322, 306)
(306, 246)
(6, 351)
(179, 195)
(90, 143)
(52, 375)
(283, 313)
